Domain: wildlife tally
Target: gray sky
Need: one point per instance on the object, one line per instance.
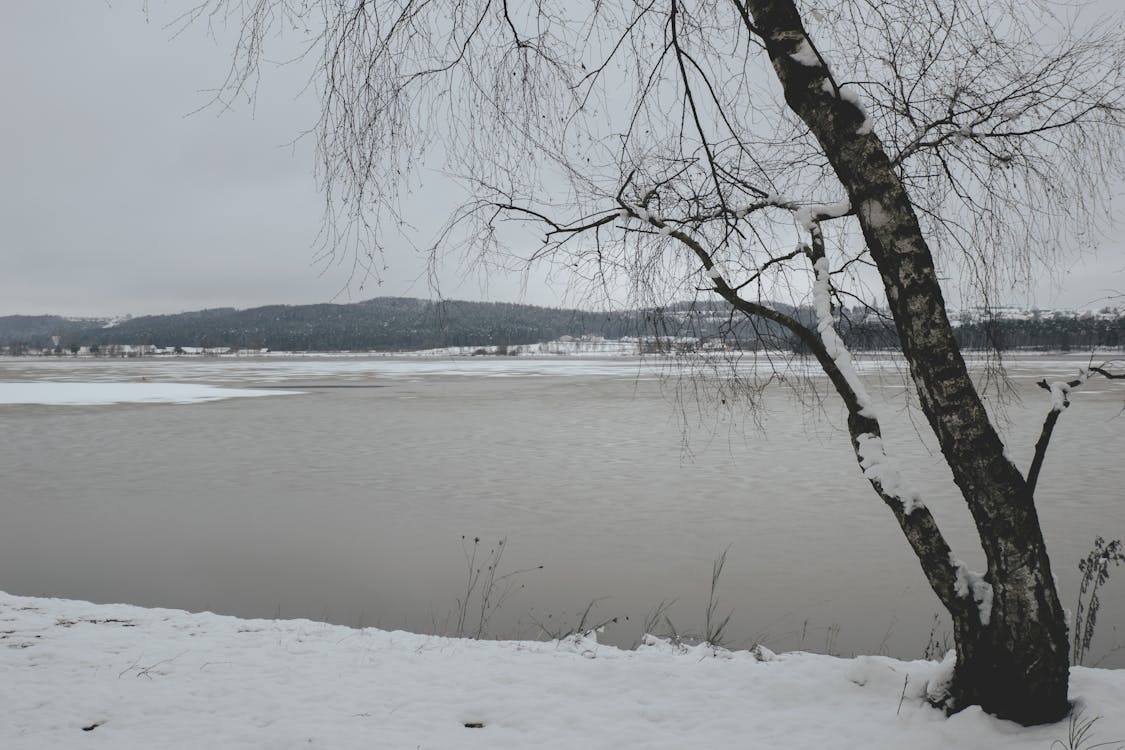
(115, 200)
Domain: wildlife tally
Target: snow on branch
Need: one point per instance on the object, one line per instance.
(806, 214)
(810, 215)
(1060, 390)
(832, 341)
(879, 467)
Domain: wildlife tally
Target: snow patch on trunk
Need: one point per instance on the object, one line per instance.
(805, 55)
(875, 214)
(851, 96)
(973, 584)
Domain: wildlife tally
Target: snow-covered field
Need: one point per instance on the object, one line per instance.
(74, 674)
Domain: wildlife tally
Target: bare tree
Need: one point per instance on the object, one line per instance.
(760, 150)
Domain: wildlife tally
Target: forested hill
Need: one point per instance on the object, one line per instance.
(385, 323)
(37, 330)
(397, 323)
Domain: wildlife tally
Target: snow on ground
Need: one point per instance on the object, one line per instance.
(76, 674)
(93, 394)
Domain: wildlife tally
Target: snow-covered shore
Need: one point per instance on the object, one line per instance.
(75, 674)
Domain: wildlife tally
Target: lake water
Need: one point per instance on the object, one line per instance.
(348, 502)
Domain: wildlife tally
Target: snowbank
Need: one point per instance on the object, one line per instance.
(82, 675)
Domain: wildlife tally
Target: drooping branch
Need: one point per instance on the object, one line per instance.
(690, 96)
(766, 266)
(940, 566)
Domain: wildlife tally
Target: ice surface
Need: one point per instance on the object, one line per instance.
(91, 394)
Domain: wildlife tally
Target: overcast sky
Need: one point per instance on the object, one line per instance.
(115, 200)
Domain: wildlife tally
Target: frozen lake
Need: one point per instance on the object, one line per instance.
(346, 501)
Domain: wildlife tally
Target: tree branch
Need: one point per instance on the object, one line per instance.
(1041, 449)
(915, 520)
(1060, 400)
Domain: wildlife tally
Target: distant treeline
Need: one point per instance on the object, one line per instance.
(394, 323)
(379, 324)
(1004, 334)
(1048, 333)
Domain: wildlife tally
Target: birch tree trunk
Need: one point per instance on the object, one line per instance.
(1014, 661)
